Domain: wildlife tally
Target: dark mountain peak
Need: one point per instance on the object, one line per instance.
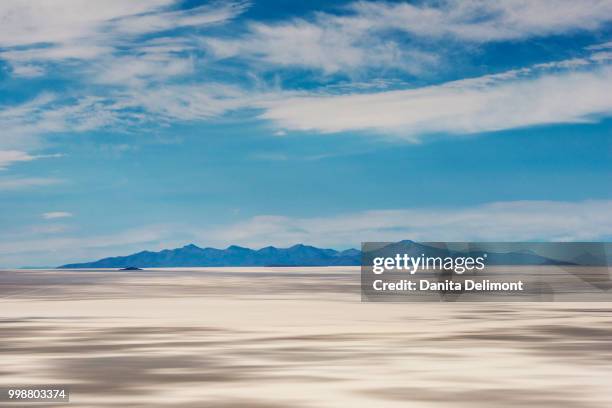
(144, 253)
(304, 246)
(297, 246)
(269, 248)
(191, 246)
(236, 248)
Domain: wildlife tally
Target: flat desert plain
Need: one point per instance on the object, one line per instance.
(291, 337)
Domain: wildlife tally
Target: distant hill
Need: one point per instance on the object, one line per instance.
(192, 255)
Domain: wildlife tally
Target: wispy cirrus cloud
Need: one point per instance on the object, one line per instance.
(56, 214)
(534, 95)
(112, 53)
(359, 37)
(324, 45)
(499, 221)
(35, 21)
(485, 21)
(50, 113)
(96, 37)
(22, 183)
(510, 100)
(72, 22)
(39, 31)
(9, 157)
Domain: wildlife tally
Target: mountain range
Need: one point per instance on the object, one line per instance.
(304, 255)
(191, 255)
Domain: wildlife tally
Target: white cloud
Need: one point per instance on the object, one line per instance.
(8, 157)
(199, 16)
(190, 102)
(37, 33)
(48, 113)
(327, 44)
(80, 30)
(56, 214)
(602, 46)
(502, 221)
(483, 20)
(28, 22)
(39, 21)
(27, 71)
(136, 69)
(19, 183)
(481, 104)
(523, 97)
(55, 53)
(358, 38)
(517, 98)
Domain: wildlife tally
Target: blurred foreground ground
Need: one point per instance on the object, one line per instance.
(291, 337)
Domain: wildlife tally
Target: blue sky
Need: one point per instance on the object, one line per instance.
(152, 124)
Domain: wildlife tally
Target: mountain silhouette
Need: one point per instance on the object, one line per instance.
(191, 256)
(304, 255)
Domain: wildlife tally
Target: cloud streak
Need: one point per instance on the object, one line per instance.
(96, 37)
(359, 37)
(8, 157)
(485, 21)
(75, 22)
(21, 183)
(56, 214)
(500, 221)
(536, 95)
(488, 103)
